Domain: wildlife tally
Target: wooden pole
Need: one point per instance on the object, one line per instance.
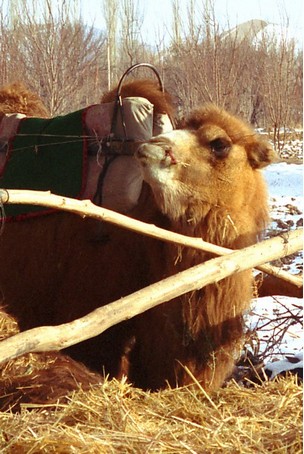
(62, 336)
(87, 208)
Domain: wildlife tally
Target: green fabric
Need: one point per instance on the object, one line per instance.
(46, 154)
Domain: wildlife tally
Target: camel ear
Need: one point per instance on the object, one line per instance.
(260, 153)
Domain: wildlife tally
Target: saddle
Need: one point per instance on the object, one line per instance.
(85, 154)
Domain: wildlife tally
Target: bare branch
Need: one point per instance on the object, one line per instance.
(62, 336)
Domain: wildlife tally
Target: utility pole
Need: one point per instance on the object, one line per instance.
(176, 22)
(110, 8)
(13, 13)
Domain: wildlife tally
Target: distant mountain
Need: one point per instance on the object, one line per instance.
(256, 30)
(246, 30)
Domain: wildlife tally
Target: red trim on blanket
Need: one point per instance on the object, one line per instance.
(85, 159)
(25, 217)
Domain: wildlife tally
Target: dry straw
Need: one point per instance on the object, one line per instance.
(114, 417)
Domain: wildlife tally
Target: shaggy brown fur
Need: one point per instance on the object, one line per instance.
(61, 267)
(16, 98)
(52, 377)
(39, 378)
(271, 285)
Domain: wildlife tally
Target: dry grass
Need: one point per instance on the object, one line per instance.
(116, 418)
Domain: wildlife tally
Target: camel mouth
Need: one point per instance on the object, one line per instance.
(149, 152)
(160, 155)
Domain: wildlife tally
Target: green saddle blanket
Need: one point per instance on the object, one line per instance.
(46, 154)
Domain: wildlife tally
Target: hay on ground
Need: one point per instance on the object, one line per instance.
(114, 417)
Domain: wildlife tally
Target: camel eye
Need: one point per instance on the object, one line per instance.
(220, 147)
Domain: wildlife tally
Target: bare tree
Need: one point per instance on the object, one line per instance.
(219, 65)
(278, 84)
(4, 44)
(45, 44)
(110, 8)
(54, 55)
(131, 24)
(297, 95)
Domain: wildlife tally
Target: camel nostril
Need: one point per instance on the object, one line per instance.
(169, 152)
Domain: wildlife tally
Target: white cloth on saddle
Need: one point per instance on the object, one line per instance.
(9, 125)
(122, 184)
(138, 117)
(123, 180)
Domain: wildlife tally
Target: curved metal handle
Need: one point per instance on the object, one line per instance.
(139, 65)
(119, 105)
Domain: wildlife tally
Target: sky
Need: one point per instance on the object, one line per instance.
(157, 14)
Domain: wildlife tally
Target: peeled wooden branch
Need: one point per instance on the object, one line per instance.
(62, 336)
(87, 208)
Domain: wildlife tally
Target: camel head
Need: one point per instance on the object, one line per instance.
(210, 164)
